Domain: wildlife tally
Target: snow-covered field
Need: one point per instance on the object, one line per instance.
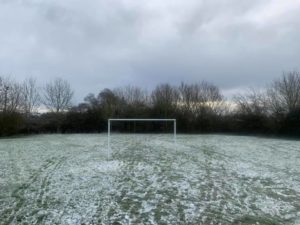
(203, 179)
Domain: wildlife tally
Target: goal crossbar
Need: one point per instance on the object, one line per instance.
(109, 121)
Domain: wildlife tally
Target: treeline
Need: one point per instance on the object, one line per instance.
(198, 108)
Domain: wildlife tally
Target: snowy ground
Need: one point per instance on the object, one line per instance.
(204, 179)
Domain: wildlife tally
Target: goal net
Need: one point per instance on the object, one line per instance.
(130, 122)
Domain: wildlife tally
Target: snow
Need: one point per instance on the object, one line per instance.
(203, 179)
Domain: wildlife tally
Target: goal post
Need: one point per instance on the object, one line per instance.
(109, 122)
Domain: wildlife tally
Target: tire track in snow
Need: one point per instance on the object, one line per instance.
(42, 198)
(18, 194)
(147, 181)
(14, 213)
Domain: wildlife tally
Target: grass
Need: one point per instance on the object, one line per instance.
(204, 179)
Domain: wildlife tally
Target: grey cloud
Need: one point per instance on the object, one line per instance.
(97, 44)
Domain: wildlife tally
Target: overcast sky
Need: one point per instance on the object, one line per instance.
(110, 43)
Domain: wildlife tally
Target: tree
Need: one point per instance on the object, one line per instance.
(252, 111)
(91, 101)
(132, 95)
(201, 98)
(111, 104)
(2, 94)
(201, 106)
(11, 122)
(31, 96)
(254, 102)
(284, 93)
(134, 99)
(164, 100)
(11, 98)
(58, 95)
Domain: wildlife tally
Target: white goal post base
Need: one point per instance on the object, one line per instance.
(109, 121)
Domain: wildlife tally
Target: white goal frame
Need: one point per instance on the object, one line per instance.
(109, 121)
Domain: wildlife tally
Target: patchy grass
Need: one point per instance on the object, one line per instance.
(203, 179)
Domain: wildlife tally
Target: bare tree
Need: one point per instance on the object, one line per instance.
(2, 94)
(58, 95)
(165, 98)
(284, 93)
(196, 99)
(31, 96)
(11, 98)
(188, 98)
(132, 95)
(15, 97)
(254, 102)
